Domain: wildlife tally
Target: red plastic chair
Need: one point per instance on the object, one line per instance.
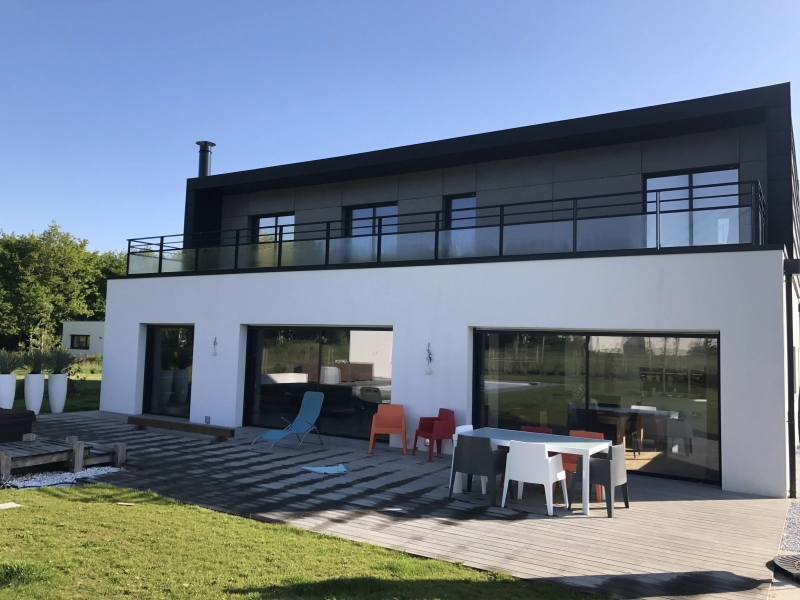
(536, 429)
(435, 429)
(570, 461)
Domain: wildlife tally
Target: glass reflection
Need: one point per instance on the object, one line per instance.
(532, 379)
(169, 357)
(352, 367)
(659, 396)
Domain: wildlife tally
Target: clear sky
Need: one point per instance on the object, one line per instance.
(101, 102)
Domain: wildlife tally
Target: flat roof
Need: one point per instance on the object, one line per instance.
(735, 109)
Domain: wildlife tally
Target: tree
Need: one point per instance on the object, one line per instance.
(50, 278)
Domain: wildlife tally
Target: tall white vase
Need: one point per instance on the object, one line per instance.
(57, 391)
(34, 391)
(8, 387)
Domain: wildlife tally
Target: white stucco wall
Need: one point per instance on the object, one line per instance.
(738, 294)
(94, 329)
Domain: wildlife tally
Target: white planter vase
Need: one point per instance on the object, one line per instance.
(57, 391)
(8, 387)
(34, 391)
(181, 385)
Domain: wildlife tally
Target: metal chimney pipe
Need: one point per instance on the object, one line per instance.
(205, 158)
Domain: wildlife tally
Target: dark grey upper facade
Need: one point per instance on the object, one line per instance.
(601, 155)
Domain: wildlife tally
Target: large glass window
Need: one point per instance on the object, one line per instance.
(352, 367)
(657, 395)
(168, 370)
(697, 209)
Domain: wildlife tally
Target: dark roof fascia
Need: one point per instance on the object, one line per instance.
(723, 111)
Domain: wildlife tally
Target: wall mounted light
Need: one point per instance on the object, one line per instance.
(214, 351)
(428, 360)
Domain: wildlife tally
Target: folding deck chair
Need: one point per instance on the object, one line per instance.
(303, 424)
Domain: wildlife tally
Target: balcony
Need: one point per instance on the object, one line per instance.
(703, 216)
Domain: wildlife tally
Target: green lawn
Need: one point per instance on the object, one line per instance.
(79, 543)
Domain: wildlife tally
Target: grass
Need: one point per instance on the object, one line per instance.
(69, 543)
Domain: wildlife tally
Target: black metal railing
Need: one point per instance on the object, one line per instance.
(719, 214)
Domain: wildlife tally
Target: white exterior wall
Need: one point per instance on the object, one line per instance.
(94, 329)
(738, 294)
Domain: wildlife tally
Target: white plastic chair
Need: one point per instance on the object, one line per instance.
(458, 485)
(529, 463)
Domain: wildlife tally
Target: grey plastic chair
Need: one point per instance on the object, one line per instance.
(474, 456)
(304, 423)
(609, 473)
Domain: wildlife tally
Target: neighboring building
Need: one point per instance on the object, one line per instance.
(622, 273)
(83, 337)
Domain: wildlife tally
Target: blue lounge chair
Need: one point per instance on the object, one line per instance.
(304, 423)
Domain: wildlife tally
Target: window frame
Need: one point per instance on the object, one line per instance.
(255, 225)
(447, 210)
(74, 346)
(348, 218)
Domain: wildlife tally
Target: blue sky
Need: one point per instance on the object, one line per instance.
(101, 102)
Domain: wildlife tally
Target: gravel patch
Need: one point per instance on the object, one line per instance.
(58, 478)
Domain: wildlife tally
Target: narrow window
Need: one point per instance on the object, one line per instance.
(365, 220)
(274, 228)
(460, 212)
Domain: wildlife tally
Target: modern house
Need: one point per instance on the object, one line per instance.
(83, 337)
(630, 273)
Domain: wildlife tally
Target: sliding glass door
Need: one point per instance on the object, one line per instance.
(658, 395)
(352, 367)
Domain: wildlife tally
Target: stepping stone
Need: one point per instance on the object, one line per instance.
(10, 505)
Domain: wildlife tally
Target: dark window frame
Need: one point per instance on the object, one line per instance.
(447, 209)
(690, 173)
(373, 229)
(587, 334)
(255, 224)
(75, 346)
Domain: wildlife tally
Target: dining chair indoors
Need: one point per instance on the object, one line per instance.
(529, 463)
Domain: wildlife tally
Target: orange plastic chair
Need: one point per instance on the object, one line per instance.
(389, 419)
(570, 461)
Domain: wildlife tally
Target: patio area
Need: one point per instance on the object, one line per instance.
(678, 539)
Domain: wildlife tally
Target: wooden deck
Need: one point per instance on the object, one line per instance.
(678, 540)
(36, 451)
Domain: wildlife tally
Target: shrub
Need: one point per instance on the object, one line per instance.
(9, 362)
(60, 360)
(34, 361)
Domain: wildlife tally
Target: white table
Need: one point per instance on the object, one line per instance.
(584, 447)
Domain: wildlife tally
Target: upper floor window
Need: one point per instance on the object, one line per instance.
(273, 228)
(460, 212)
(79, 342)
(365, 220)
(696, 209)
